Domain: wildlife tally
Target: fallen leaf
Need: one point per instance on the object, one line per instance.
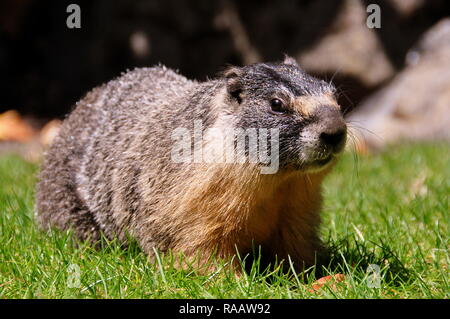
(330, 281)
(14, 128)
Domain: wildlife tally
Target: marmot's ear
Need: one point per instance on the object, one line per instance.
(231, 72)
(290, 60)
(234, 83)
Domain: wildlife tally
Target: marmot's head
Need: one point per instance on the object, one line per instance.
(312, 130)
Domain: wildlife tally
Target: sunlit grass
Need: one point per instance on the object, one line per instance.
(389, 210)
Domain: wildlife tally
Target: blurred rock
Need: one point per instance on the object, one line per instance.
(433, 40)
(407, 7)
(49, 132)
(415, 105)
(350, 48)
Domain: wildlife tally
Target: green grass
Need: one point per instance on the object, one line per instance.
(389, 209)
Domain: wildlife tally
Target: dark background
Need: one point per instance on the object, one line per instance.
(45, 67)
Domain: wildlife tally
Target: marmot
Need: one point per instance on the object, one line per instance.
(110, 170)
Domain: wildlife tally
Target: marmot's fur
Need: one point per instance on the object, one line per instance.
(111, 171)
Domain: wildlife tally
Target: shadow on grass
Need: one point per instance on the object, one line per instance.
(347, 256)
(351, 256)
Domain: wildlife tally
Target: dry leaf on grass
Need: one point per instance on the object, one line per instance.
(329, 281)
(14, 128)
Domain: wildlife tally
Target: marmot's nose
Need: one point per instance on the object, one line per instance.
(333, 130)
(335, 138)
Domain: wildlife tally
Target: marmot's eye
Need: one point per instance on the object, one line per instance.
(277, 106)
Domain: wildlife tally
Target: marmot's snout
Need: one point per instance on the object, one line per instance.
(332, 130)
(324, 138)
